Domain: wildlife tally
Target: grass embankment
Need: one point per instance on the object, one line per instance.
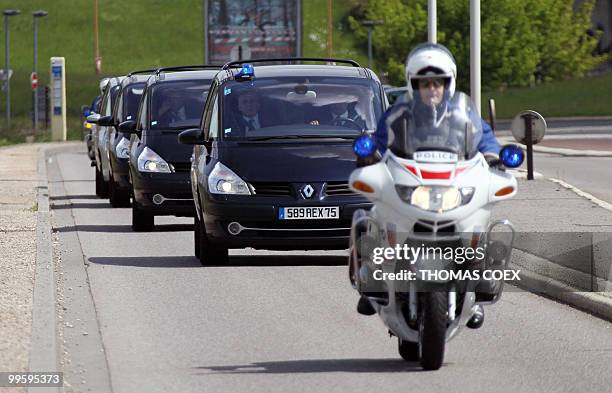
(588, 96)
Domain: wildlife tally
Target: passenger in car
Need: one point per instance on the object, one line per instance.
(249, 117)
(341, 114)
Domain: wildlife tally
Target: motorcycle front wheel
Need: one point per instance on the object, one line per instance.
(432, 329)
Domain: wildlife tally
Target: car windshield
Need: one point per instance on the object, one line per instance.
(295, 107)
(455, 127)
(131, 100)
(178, 105)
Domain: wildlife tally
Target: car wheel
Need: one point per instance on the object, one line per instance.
(209, 254)
(142, 221)
(117, 197)
(101, 185)
(197, 230)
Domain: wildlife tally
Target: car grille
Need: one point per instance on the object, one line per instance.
(338, 188)
(181, 166)
(272, 189)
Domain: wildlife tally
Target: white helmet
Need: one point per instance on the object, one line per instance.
(103, 83)
(428, 60)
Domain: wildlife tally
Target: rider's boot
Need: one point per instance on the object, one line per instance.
(477, 319)
(364, 307)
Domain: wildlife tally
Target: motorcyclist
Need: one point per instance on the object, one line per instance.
(431, 74)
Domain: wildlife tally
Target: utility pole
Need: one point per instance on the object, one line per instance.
(329, 28)
(98, 59)
(36, 15)
(432, 21)
(475, 52)
(370, 24)
(7, 69)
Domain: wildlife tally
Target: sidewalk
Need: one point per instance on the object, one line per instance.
(18, 182)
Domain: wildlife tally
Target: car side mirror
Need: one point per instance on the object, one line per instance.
(106, 121)
(192, 136)
(129, 127)
(93, 118)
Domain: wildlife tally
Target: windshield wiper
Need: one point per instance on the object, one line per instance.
(267, 138)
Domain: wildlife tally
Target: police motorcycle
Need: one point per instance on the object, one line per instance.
(432, 199)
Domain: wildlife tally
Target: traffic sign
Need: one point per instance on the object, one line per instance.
(34, 80)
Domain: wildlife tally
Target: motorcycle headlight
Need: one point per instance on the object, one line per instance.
(149, 161)
(223, 180)
(122, 149)
(435, 198)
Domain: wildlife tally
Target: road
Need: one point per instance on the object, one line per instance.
(276, 322)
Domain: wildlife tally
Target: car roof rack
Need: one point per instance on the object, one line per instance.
(149, 71)
(188, 68)
(277, 59)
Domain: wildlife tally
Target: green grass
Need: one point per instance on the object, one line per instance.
(588, 96)
(133, 34)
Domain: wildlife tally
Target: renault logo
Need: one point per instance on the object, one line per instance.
(308, 191)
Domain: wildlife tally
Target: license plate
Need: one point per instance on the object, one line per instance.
(309, 213)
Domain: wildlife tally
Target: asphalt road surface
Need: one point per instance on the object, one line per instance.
(278, 322)
(590, 174)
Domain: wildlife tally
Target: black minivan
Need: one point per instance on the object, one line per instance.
(273, 155)
(126, 107)
(172, 101)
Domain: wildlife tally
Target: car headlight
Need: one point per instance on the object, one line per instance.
(122, 148)
(223, 180)
(435, 198)
(149, 161)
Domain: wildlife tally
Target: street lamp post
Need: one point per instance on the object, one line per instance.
(8, 13)
(370, 24)
(36, 15)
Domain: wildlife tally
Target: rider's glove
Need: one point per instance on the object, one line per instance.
(494, 162)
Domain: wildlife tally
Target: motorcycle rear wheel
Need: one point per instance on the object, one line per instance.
(433, 329)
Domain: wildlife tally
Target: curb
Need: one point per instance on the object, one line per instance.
(591, 302)
(43, 353)
(560, 151)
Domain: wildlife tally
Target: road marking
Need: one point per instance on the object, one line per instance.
(583, 194)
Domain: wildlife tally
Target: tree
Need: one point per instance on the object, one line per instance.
(522, 41)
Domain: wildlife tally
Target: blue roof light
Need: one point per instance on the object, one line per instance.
(512, 156)
(364, 146)
(246, 72)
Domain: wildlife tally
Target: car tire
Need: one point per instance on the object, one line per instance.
(408, 350)
(208, 253)
(101, 185)
(117, 197)
(197, 230)
(142, 221)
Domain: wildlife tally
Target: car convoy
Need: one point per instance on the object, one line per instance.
(264, 155)
(258, 154)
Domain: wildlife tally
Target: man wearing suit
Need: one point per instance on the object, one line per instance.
(249, 116)
(343, 114)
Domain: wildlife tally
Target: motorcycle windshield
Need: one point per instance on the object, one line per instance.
(454, 127)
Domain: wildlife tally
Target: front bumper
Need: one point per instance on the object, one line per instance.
(175, 188)
(261, 227)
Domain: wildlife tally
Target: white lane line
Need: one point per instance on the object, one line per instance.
(583, 194)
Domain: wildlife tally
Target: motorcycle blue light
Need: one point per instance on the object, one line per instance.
(364, 146)
(246, 72)
(512, 156)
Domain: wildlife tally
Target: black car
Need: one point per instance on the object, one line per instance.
(172, 101)
(273, 156)
(125, 109)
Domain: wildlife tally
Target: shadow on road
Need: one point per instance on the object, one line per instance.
(147, 261)
(68, 197)
(234, 261)
(315, 366)
(97, 205)
(124, 228)
(286, 260)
